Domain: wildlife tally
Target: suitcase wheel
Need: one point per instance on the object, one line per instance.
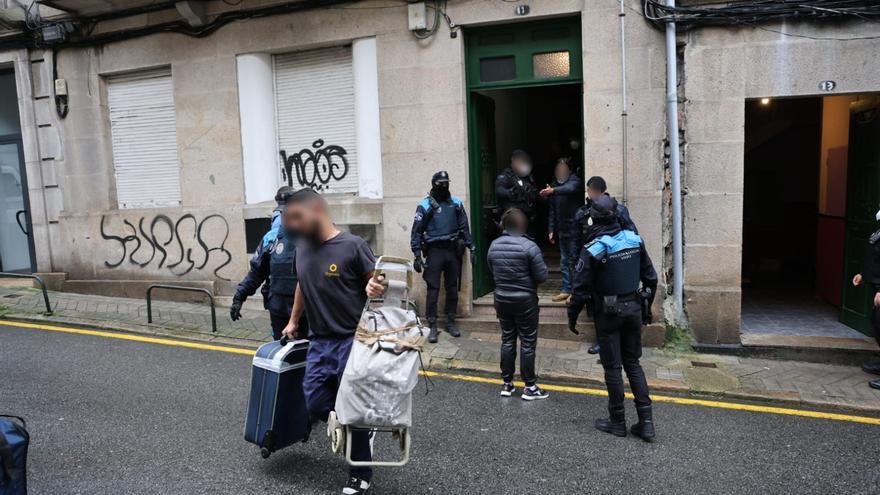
(265, 453)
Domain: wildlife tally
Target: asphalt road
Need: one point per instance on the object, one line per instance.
(110, 416)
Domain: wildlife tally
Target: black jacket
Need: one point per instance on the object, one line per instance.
(516, 264)
(564, 203)
(588, 233)
(516, 192)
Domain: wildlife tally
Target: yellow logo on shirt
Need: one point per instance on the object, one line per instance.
(332, 271)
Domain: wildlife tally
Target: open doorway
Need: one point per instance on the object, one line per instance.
(805, 166)
(524, 92)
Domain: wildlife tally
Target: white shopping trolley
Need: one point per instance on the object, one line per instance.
(375, 393)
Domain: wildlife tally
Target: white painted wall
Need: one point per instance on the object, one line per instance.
(366, 111)
(256, 106)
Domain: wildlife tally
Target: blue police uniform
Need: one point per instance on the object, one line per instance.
(274, 264)
(440, 228)
(607, 278)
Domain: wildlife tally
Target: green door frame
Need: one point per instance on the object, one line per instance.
(521, 42)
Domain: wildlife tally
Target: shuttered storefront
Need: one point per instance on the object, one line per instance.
(144, 137)
(315, 115)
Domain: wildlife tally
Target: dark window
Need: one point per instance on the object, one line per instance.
(254, 230)
(497, 69)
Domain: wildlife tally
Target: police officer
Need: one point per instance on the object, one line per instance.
(272, 266)
(871, 275)
(607, 280)
(515, 187)
(440, 231)
(596, 188)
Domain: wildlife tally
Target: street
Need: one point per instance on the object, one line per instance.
(111, 416)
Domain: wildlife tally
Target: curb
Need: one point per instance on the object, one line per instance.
(476, 367)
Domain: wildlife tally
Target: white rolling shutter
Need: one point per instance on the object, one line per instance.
(144, 136)
(314, 105)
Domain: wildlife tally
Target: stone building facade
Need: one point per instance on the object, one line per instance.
(413, 122)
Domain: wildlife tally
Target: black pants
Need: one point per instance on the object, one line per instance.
(620, 339)
(280, 306)
(875, 320)
(519, 319)
(442, 261)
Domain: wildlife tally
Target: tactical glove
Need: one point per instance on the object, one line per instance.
(235, 309)
(418, 264)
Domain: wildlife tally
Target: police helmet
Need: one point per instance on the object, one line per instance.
(440, 177)
(603, 209)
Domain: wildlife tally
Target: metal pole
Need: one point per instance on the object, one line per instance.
(675, 166)
(623, 103)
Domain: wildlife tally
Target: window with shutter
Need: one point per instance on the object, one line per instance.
(144, 137)
(315, 115)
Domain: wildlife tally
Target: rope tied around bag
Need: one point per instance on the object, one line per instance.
(369, 337)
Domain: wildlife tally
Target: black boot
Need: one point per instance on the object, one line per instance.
(644, 429)
(432, 334)
(451, 327)
(615, 423)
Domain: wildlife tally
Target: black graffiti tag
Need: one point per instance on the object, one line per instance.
(316, 167)
(161, 232)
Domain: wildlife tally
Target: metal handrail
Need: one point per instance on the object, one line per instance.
(39, 281)
(182, 288)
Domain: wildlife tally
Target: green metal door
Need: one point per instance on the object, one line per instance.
(862, 202)
(481, 130)
(516, 55)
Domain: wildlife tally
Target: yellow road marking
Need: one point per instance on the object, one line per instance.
(570, 389)
(126, 336)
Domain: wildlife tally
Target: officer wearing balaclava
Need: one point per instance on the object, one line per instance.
(515, 187)
(440, 233)
(870, 275)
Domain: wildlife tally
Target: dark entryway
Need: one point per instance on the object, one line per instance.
(805, 171)
(524, 92)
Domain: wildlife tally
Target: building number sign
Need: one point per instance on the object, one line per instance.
(827, 86)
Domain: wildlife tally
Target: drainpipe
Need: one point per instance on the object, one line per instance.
(675, 167)
(623, 102)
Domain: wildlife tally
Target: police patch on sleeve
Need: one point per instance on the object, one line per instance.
(279, 248)
(418, 216)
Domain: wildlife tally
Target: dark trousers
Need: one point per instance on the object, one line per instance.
(569, 251)
(325, 363)
(280, 306)
(519, 319)
(620, 339)
(441, 261)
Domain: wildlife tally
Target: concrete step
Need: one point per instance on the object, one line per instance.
(652, 335)
(550, 310)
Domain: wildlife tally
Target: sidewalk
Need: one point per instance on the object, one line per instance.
(787, 382)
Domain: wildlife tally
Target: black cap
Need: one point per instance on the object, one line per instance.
(440, 176)
(597, 183)
(603, 209)
(520, 154)
(283, 193)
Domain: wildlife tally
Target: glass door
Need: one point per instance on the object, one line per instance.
(15, 245)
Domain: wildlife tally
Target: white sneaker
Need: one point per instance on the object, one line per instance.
(507, 390)
(356, 486)
(534, 393)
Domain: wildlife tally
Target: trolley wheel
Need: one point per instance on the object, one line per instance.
(265, 452)
(336, 433)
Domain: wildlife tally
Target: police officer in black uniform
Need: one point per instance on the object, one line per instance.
(870, 276)
(515, 187)
(607, 279)
(440, 231)
(596, 188)
(274, 261)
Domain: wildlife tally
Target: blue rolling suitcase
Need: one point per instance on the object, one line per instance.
(277, 415)
(14, 440)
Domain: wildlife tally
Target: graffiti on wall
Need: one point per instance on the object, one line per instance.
(315, 167)
(179, 246)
